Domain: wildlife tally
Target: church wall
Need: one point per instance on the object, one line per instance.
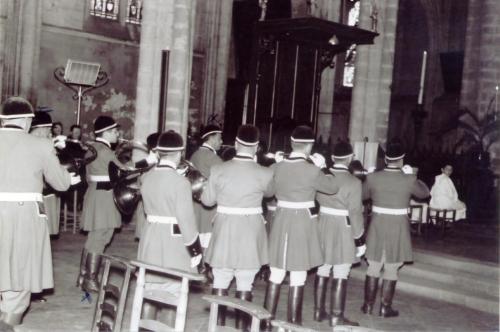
(69, 32)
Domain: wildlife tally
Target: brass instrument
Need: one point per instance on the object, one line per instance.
(76, 162)
(197, 180)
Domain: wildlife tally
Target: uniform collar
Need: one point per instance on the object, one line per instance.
(208, 146)
(296, 156)
(103, 141)
(167, 164)
(244, 157)
(392, 169)
(11, 127)
(339, 168)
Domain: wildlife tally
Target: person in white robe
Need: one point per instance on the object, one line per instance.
(445, 196)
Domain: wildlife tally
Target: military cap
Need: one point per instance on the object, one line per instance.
(103, 123)
(170, 141)
(342, 150)
(210, 129)
(394, 150)
(248, 135)
(16, 107)
(41, 119)
(303, 134)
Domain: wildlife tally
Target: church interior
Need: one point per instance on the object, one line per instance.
(423, 72)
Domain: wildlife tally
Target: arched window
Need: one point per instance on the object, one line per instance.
(134, 11)
(351, 17)
(105, 8)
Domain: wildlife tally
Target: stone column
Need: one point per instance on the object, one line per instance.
(328, 10)
(166, 25)
(373, 77)
(218, 35)
(21, 48)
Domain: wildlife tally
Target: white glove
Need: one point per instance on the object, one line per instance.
(360, 251)
(371, 169)
(318, 160)
(152, 158)
(75, 179)
(181, 171)
(195, 260)
(407, 169)
(279, 156)
(60, 142)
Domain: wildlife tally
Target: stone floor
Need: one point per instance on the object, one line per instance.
(65, 310)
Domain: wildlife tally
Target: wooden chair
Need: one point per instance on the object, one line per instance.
(157, 295)
(283, 326)
(257, 312)
(441, 217)
(415, 214)
(71, 221)
(110, 305)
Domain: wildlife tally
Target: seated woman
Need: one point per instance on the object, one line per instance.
(444, 195)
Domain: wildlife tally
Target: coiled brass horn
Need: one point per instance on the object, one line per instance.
(197, 180)
(75, 162)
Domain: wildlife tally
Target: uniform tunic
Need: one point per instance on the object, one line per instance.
(238, 241)
(52, 204)
(391, 188)
(167, 194)
(99, 210)
(337, 233)
(25, 255)
(203, 159)
(294, 238)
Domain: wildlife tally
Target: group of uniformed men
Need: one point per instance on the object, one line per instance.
(225, 229)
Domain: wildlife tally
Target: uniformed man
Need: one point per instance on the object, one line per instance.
(100, 215)
(341, 229)
(25, 255)
(203, 159)
(41, 127)
(294, 239)
(239, 242)
(140, 216)
(170, 236)
(388, 241)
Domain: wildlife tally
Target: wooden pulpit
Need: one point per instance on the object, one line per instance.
(288, 57)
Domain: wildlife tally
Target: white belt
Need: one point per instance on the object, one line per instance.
(161, 219)
(333, 211)
(296, 205)
(394, 212)
(271, 207)
(98, 178)
(20, 197)
(239, 210)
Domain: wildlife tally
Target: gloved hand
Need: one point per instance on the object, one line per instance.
(361, 250)
(75, 179)
(182, 171)
(371, 169)
(407, 169)
(318, 160)
(152, 158)
(60, 142)
(195, 261)
(279, 156)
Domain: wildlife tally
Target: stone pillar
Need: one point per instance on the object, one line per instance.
(21, 48)
(373, 77)
(481, 72)
(328, 10)
(166, 25)
(218, 35)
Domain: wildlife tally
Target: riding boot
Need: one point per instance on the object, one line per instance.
(320, 286)
(295, 297)
(271, 303)
(241, 316)
(83, 268)
(221, 318)
(371, 286)
(338, 296)
(149, 311)
(388, 290)
(90, 284)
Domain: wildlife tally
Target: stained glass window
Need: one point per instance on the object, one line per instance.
(352, 7)
(105, 8)
(134, 11)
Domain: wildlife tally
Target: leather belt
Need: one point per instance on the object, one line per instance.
(333, 211)
(394, 212)
(239, 210)
(20, 197)
(161, 219)
(295, 205)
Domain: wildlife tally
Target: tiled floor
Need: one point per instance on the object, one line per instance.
(65, 310)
